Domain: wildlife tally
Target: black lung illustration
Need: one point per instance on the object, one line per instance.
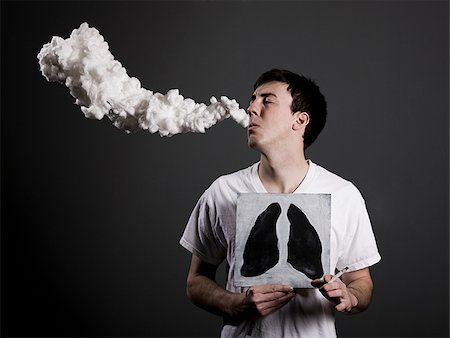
(261, 250)
(304, 246)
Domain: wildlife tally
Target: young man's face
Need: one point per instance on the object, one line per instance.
(270, 115)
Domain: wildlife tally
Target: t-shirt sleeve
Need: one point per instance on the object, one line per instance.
(359, 248)
(203, 236)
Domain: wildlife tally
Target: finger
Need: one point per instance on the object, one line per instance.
(343, 307)
(335, 293)
(327, 278)
(280, 298)
(268, 310)
(340, 307)
(267, 307)
(327, 281)
(268, 288)
(260, 298)
(317, 283)
(280, 288)
(331, 286)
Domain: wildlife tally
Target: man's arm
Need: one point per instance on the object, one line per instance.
(352, 293)
(204, 292)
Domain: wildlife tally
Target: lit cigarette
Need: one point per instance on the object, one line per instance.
(339, 274)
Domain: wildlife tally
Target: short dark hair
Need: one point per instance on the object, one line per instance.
(306, 97)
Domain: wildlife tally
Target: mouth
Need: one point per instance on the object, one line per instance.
(251, 128)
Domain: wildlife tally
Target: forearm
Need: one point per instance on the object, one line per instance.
(207, 294)
(204, 292)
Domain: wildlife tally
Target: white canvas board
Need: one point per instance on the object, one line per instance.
(265, 253)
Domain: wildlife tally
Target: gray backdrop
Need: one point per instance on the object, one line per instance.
(91, 216)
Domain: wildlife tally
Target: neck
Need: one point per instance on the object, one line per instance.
(282, 174)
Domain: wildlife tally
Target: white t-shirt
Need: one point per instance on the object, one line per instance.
(210, 234)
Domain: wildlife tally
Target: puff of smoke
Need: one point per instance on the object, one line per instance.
(101, 86)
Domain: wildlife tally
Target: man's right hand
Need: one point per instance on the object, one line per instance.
(262, 300)
(257, 301)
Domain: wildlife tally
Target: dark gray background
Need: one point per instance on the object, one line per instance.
(91, 216)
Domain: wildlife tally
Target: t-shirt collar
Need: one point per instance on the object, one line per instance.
(259, 187)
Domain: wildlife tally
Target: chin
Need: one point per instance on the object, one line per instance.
(251, 142)
(253, 145)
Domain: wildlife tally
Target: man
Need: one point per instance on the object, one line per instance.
(287, 112)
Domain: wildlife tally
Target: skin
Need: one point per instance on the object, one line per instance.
(277, 133)
(351, 293)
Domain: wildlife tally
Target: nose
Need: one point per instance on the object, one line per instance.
(252, 108)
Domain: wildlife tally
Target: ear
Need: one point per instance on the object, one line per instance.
(301, 120)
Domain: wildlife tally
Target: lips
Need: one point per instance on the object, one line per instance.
(252, 125)
(251, 128)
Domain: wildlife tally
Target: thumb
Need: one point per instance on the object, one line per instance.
(327, 278)
(317, 283)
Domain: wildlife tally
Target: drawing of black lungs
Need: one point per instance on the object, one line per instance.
(261, 250)
(304, 246)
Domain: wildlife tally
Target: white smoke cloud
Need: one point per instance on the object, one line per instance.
(102, 87)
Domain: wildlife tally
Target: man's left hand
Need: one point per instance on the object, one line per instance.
(336, 292)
